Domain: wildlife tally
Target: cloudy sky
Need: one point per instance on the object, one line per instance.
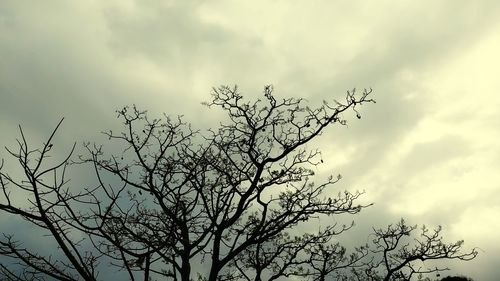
(427, 151)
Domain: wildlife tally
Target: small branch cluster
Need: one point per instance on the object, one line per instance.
(399, 254)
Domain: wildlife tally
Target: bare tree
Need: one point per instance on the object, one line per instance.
(400, 255)
(172, 202)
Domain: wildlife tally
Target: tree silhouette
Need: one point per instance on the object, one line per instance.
(172, 203)
(456, 278)
(400, 255)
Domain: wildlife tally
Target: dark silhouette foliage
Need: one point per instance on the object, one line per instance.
(456, 278)
(173, 203)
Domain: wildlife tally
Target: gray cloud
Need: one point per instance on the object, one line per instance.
(83, 60)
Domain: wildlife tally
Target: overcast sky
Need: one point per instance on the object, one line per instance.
(428, 151)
